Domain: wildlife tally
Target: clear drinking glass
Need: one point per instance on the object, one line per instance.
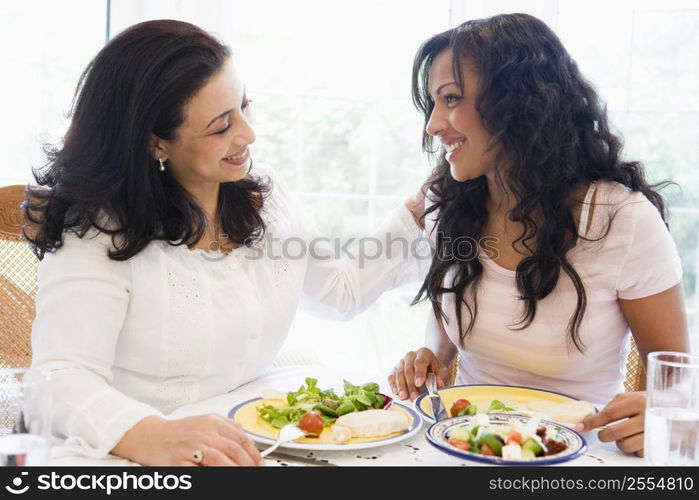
(25, 417)
(672, 410)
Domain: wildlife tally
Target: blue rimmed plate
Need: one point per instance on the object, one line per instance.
(263, 432)
(438, 436)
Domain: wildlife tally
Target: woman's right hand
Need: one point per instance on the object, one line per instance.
(158, 441)
(411, 371)
(416, 205)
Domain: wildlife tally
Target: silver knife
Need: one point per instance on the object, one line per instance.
(436, 404)
(288, 457)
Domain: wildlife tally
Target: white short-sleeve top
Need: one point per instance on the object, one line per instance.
(636, 258)
(172, 326)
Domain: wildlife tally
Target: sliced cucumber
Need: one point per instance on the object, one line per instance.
(460, 433)
(533, 446)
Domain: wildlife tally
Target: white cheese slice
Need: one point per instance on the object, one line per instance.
(480, 419)
(371, 423)
(570, 412)
(512, 452)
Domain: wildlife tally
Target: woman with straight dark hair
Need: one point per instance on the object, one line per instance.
(572, 249)
(162, 282)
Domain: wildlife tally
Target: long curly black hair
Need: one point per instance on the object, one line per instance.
(549, 127)
(137, 85)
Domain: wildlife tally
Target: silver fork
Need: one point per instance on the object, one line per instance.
(289, 432)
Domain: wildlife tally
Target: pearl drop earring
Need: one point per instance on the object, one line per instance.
(162, 165)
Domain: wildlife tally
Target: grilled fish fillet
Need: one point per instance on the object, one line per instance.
(371, 423)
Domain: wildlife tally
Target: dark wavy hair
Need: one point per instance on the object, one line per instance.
(137, 85)
(550, 134)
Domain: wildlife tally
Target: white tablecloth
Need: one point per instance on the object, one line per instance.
(412, 451)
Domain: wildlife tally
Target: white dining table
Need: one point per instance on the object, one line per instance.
(413, 451)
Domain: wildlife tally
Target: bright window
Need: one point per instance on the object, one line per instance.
(44, 47)
(330, 82)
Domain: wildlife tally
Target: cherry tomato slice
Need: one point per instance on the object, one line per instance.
(485, 450)
(312, 424)
(458, 443)
(514, 437)
(459, 404)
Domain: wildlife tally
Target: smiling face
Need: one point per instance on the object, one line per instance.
(212, 144)
(455, 120)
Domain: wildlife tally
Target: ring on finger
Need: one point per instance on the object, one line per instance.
(198, 456)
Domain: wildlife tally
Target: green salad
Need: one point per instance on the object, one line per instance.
(464, 407)
(514, 440)
(330, 406)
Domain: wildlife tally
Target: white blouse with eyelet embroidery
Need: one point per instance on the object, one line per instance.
(173, 326)
(636, 258)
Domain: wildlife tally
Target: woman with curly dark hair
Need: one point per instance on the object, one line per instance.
(162, 282)
(549, 245)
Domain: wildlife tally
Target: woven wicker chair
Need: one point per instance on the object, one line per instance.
(18, 282)
(635, 374)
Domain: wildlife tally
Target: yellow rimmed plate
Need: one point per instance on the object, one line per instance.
(263, 432)
(526, 399)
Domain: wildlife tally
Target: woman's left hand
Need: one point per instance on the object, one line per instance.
(629, 409)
